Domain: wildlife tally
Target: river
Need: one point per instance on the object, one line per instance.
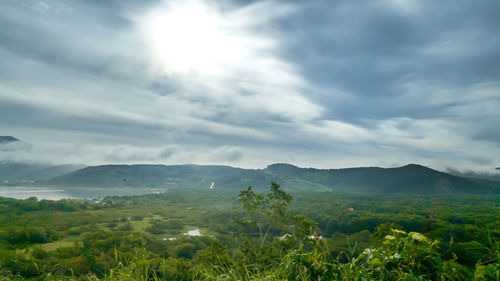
(23, 192)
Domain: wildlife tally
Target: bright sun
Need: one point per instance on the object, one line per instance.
(190, 37)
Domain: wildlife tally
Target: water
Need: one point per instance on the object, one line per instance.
(192, 233)
(23, 192)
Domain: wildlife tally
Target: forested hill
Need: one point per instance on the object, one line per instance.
(407, 179)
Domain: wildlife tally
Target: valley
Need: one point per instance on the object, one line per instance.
(178, 228)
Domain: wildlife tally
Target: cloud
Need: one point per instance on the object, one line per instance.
(215, 58)
(14, 146)
(227, 154)
(316, 83)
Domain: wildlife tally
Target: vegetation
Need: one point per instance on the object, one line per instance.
(252, 236)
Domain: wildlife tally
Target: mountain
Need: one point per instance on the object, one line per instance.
(17, 173)
(407, 179)
(12, 172)
(176, 176)
(6, 139)
(11, 144)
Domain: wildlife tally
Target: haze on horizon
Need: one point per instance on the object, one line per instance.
(323, 84)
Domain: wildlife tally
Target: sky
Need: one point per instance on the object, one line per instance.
(325, 84)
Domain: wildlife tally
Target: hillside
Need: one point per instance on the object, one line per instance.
(176, 176)
(407, 179)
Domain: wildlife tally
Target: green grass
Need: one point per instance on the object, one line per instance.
(65, 242)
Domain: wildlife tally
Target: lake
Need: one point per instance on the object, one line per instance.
(23, 192)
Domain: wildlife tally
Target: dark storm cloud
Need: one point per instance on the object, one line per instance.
(322, 83)
(372, 49)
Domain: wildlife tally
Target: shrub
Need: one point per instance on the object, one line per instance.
(184, 250)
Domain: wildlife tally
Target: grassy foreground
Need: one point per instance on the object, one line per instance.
(401, 256)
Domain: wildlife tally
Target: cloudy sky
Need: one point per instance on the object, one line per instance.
(324, 84)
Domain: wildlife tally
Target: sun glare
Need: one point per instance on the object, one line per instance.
(190, 37)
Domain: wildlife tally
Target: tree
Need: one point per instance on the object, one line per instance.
(264, 211)
(184, 250)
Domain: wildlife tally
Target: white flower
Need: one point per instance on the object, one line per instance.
(417, 236)
(285, 236)
(369, 252)
(395, 256)
(390, 237)
(398, 231)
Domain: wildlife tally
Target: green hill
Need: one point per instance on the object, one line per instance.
(407, 179)
(175, 176)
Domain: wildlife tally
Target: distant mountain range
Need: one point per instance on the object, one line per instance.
(407, 179)
(12, 172)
